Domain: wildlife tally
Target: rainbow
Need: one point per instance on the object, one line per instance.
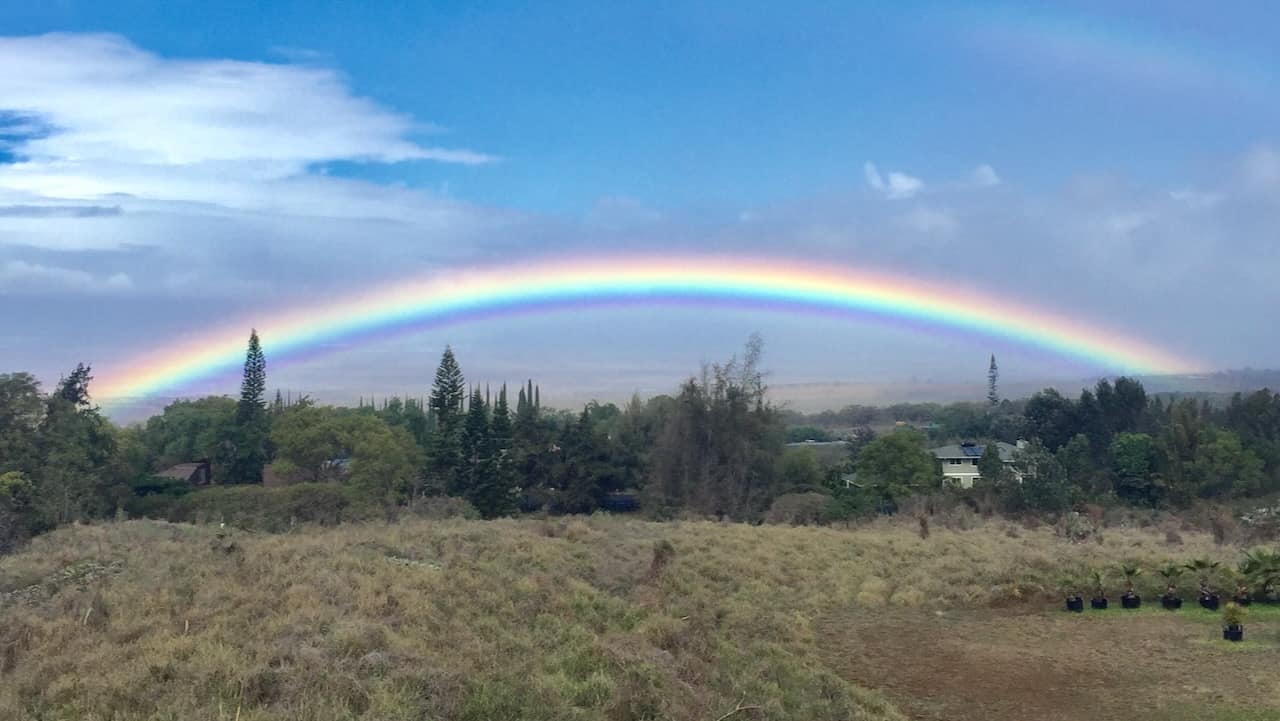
(763, 283)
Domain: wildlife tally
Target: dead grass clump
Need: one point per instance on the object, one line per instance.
(1224, 526)
(1172, 538)
(663, 554)
(577, 530)
(798, 509)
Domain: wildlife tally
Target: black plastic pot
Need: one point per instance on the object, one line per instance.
(1075, 603)
(1210, 602)
(1130, 600)
(1098, 604)
(1233, 633)
(1171, 603)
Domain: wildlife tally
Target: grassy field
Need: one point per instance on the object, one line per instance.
(599, 618)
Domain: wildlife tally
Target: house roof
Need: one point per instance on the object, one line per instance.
(974, 450)
(182, 471)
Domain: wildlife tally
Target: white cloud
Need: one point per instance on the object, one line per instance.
(895, 186)
(21, 275)
(94, 115)
(984, 175)
(902, 185)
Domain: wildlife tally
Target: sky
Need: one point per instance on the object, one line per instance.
(171, 168)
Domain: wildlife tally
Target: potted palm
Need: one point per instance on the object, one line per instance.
(1099, 600)
(1071, 592)
(1209, 598)
(1241, 597)
(1171, 600)
(1233, 622)
(1130, 599)
(1261, 568)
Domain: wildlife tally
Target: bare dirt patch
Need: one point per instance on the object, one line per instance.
(1001, 666)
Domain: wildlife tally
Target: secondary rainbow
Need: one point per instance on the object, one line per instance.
(560, 285)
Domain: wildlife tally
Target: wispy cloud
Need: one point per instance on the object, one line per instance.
(985, 176)
(21, 275)
(895, 185)
(58, 211)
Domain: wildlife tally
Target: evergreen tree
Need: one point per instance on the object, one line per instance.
(993, 374)
(494, 488)
(500, 426)
(475, 431)
(445, 447)
(251, 418)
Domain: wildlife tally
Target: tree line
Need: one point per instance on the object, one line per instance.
(716, 447)
(1112, 444)
(712, 448)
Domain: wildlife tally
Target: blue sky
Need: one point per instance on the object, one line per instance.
(1109, 160)
(726, 103)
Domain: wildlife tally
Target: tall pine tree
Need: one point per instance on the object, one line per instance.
(445, 446)
(993, 375)
(251, 418)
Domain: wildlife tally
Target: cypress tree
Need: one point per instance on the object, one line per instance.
(993, 374)
(475, 446)
(251, 418)
(500, 425)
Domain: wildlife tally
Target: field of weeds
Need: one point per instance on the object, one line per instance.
(588, 618)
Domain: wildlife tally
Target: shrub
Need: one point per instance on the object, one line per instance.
(798, 509)
(269, 509)
(438, 508)
(1233, 614)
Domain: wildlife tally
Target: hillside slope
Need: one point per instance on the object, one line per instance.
(588, 618)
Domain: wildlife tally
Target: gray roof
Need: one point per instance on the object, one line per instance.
(974, 450)
(182, 471)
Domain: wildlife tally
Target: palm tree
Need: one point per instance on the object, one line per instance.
(1204, 567)
(1171, 573)
(1098, 576)
(1130, 571)
(1262, 568)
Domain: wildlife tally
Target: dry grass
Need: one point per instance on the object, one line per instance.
(1115, 665)
(489, 620)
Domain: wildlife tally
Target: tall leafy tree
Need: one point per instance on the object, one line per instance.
(76, 447)
(990, 466)
(897, 465)
(1044, 485)
(252, 427)
(384, 459)
(1133, 460)
(21, 412)
(993, 375)
(1051, 418)
(717, 452)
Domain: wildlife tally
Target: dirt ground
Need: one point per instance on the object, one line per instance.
(1053, 666)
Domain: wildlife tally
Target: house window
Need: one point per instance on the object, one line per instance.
(954, 461)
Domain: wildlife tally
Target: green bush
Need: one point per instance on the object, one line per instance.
(263, 509)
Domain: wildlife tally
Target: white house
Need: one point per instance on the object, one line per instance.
(960, 461)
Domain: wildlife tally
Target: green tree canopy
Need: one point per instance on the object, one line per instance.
(897, 465)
